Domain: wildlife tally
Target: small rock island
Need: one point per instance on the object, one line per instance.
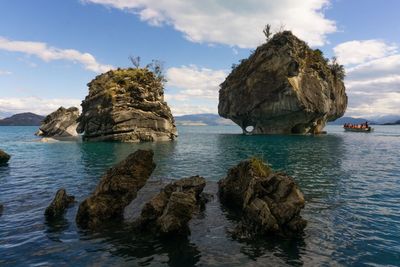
(126, 105)
(60, 123)
(284, 87)
(4, 157)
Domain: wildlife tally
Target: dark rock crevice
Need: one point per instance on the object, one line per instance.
(4, 157)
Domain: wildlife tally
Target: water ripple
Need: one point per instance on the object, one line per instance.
(350, 181)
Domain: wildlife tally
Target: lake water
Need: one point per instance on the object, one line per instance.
(351, 182)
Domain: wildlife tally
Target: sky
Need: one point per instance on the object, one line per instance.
(50, 50)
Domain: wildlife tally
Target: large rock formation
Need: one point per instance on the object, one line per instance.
(170, 211)
(283, 87)
(126, 105)
(270, 202)
(117, 188)
(59, 204)
(4, 157)
(60, 123)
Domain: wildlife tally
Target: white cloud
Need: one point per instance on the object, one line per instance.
(377, 68)
(356, 52)
(49, 53)
(236, 23)
(373, 104)
(373, 84)
(194, 82)
(187, 109)
(4, 72)
(36, 105)
(195, 90)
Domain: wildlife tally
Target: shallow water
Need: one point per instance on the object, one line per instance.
(351, 182)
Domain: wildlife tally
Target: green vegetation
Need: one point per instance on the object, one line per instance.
(155, 66)
(261, 168)
(132, 79)
(337, 70)
(267, 32)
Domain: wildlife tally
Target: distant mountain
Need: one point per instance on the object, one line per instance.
(22, 119)
(5, 114)
(351, 120)
(202, 119)
(392, 123)
(387, 119)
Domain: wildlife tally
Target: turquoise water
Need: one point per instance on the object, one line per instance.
(351, 182)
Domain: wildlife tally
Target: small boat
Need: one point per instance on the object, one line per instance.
(362, 130)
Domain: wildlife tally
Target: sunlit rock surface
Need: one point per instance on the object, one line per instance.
(126, 105)
(283, 87)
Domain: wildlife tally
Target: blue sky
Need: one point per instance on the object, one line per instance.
(50, 50)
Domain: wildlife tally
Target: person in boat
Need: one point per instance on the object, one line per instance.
(366, 125)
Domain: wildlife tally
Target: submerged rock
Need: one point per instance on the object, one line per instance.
(283, 87)
(60, 123)
(59, 204)
(270, 202)
(4, 157)
(170, 211)
(126, 105)
(117, 188)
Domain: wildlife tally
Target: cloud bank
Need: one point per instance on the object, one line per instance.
(373, 78)
(193, 90)
(5, 72)
(234, 23)
(48, 53)
(36, 105)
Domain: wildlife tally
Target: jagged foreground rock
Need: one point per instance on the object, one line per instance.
(60, 123)
(170, 211)
(126, 105)
(116, 189)
(59, 204)
(283, 87)
(4, 157)
(270, 202)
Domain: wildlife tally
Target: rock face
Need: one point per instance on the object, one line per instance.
(4, 157)
(60, 123)
(170, 211)
(126, 105)
(269, 202)
(117, 188)
(59, 204)
(283, 87)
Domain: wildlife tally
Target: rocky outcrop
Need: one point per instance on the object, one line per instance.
(170, 211)
(60, 123)
(283, 87)
(59, 204)
(4, 157)
(117, 188)
(270, 202)
(126, 105)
